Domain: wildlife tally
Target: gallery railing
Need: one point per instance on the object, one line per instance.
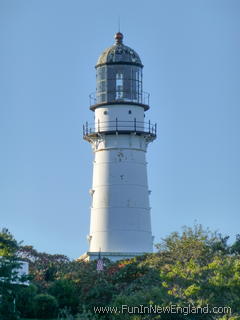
(118, 126)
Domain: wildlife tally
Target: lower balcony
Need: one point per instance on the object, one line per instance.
(119, 127)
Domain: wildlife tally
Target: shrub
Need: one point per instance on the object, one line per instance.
(45, 306)
(26, 298)
(66, 294)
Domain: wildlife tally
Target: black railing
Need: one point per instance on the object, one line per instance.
(118, 97)
(119, 126)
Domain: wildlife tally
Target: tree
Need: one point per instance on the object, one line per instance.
(45, 268)
(235, 248)
(65, 292)
(9, 276)
(196, 268)
(25, 298)
(45, 306)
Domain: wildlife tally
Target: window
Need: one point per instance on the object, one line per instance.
(119, 79)
(119, 94)
(105, 112)
(102, 73)
(102, 85)
(129, 111)
(119, 85)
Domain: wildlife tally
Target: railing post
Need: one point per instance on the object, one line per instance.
(135, 125)
(83, 130)
(98, 125)
(116, 124)
(86, 128)
(149, 124)
(155, 129)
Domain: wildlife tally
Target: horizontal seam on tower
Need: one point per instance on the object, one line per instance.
(117, 148)
(117, 162)
(118, 184)
(149, 208)
(121, 230)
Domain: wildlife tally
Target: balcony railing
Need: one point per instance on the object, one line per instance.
(119, 97)
(118, 126)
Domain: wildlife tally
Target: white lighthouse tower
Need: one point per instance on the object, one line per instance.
(120, 223)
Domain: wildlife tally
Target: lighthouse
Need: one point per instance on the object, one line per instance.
(120, 221)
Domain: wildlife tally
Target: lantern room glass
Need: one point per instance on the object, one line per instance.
(119, 82)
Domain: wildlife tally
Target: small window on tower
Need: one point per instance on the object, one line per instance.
(105, 112)
(129, 111)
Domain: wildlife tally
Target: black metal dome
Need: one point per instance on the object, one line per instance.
(119, 54)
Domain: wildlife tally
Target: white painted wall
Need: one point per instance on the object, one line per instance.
(109, 114)
(120, 213)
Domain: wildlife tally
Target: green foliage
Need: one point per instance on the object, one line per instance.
(9, 263)
(26, 298)
(7, 308)
(65, 313)
(45, 306)
(45, 268)
(86, 315)
(8, 245)
(196, 267)
(65, 291)
(235, 248)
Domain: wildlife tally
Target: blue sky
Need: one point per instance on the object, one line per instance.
(190, 51)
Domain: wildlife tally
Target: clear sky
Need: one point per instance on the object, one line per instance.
(48, 49)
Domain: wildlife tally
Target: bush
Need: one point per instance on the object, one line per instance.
(7, 310)
(66, 294)
(45, 306)
(26, 298)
